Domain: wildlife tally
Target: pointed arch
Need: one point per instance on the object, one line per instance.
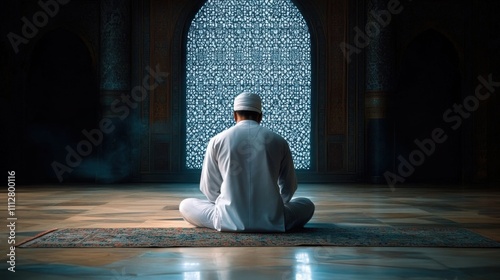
(263, 46)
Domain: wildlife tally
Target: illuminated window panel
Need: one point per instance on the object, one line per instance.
(259, 46)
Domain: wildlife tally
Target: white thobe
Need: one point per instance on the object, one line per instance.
(248, 173)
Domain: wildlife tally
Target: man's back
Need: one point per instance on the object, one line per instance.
(244, 165)
(248, 178)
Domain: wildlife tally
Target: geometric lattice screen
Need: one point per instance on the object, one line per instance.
(259, 46)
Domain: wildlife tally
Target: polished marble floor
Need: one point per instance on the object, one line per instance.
(39, 208)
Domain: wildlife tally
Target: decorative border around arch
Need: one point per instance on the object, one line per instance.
(318, 66)
(337, 134)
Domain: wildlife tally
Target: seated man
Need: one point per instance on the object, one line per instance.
(248, 178)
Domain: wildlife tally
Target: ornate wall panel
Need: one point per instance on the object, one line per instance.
(163, 17)
(336, 28)
(337, 132)
(336, 155)
(162, 23)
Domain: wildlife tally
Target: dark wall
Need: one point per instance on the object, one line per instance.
(49, 86)
(428, 83)
(61, 100)
(50, 90)
(443, 47)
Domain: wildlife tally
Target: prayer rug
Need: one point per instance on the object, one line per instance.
(312, 235)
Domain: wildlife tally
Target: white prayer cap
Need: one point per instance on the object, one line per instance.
(248, 102)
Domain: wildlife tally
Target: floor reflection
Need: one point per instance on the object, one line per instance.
(303, 266)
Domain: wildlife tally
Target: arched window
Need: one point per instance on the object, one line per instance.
(260, 46)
